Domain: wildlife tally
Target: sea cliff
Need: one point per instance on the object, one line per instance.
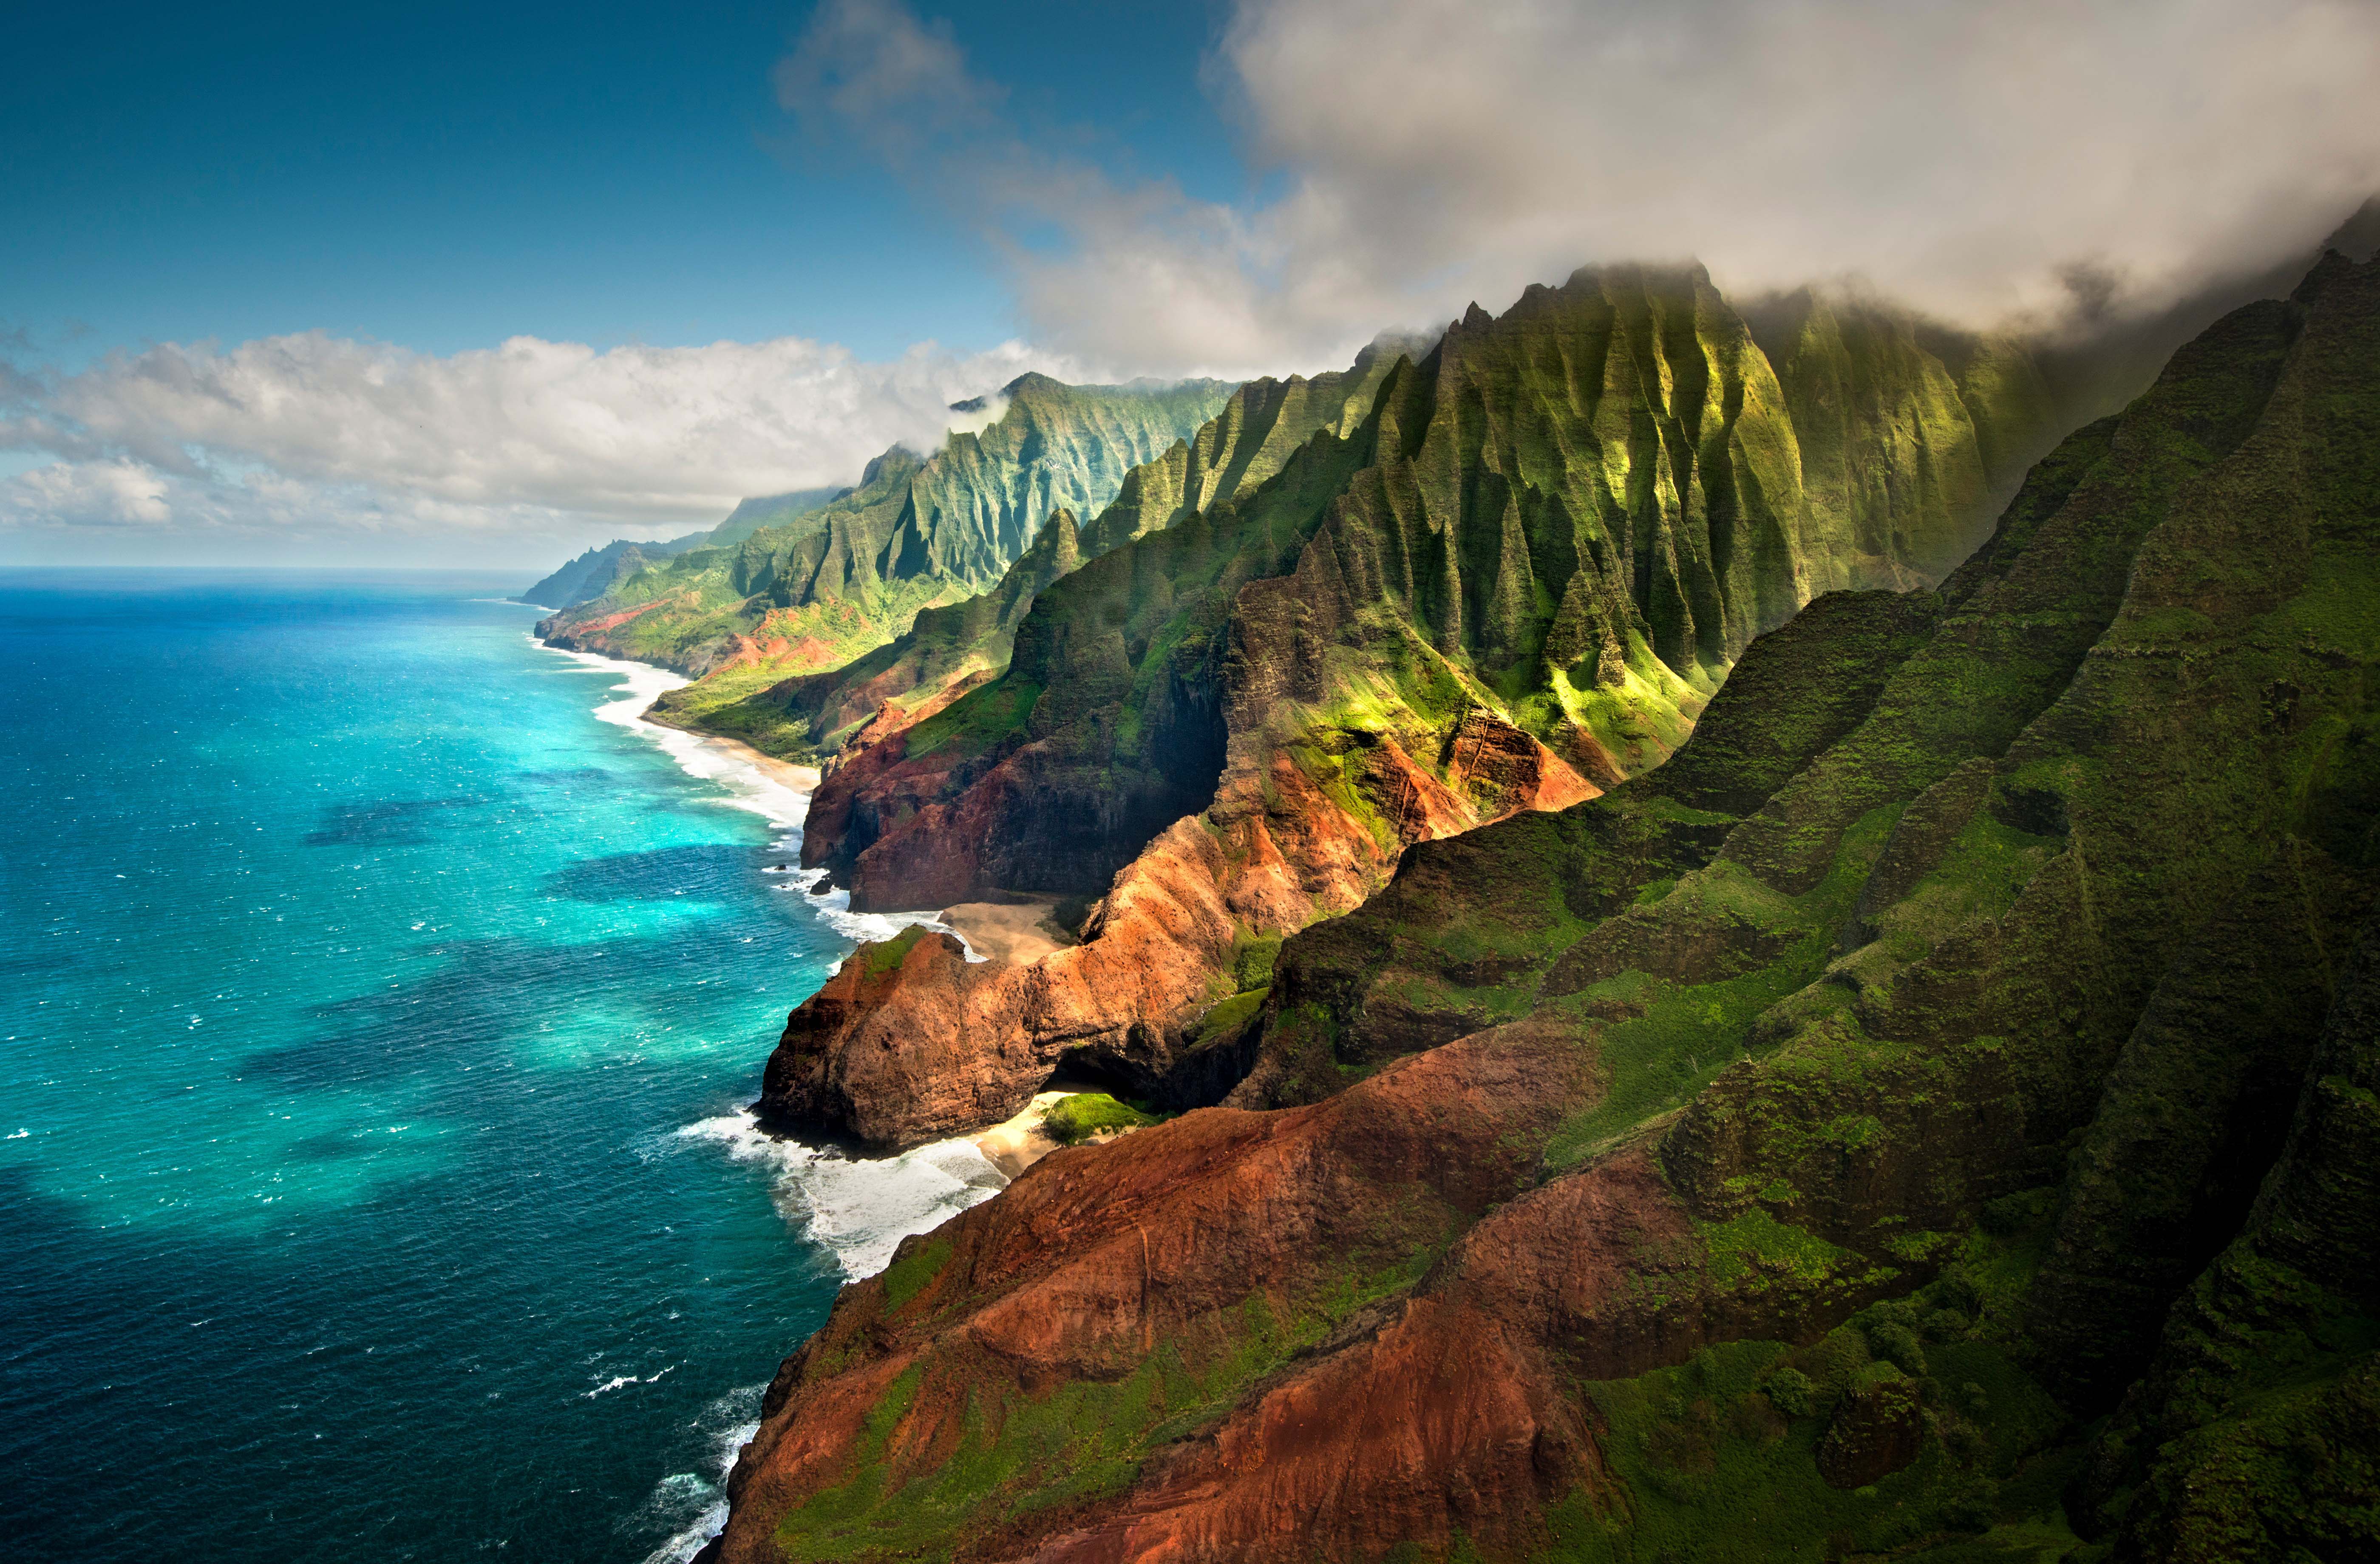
(1927, 1115)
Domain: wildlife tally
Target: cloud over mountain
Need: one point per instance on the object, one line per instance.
(1976, 160)
(317, 432)
(1406, 157)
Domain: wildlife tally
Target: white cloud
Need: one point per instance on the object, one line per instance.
(104, 493)
(1424, 154)
(1964, 156)
(313, 432)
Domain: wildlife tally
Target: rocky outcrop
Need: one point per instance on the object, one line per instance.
(1710, 1169)
(910, 1042)
(1221, 1241)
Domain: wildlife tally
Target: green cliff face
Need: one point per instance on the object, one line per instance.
(1933, 1116)
(835, 581)
(2002, 939)
(1571, 518)
(949, 649)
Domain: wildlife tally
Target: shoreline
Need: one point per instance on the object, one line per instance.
(801, 779)
(644, 683)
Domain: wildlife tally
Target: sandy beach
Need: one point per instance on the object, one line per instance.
(801, 779)
(1015, 1144)
(1016, 932)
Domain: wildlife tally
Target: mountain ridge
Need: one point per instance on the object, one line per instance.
(1929, 1117)
(837, 580)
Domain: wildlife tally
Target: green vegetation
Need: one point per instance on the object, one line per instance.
(883, 955)
(913, 1268)
(2010, 897)
(1087, 1115)
(1570, 520)
(1018, 1453)
(1984, 1002)
(820, 586)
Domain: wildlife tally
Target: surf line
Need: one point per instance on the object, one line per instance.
(778, 791)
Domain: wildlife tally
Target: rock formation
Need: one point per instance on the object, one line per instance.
(1510, 584)
(1930, 1117)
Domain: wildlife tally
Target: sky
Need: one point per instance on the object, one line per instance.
(446, 285)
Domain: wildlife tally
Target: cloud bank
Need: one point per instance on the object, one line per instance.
(1983, 161)
(314, 434)
(1970, 158)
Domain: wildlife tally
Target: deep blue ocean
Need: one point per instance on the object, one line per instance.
(375, 1018)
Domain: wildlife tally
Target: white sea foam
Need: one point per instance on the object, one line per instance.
(833, 909)
(694, 1504)
(858, 1208)
(748, 786)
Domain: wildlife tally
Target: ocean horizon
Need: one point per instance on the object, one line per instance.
(384, 1000)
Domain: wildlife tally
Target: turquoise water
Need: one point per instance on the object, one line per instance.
(374, 1020)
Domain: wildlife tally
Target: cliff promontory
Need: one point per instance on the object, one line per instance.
(1929, 1117)
(1512, 583)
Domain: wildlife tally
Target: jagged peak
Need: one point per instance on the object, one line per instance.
(2334, 265)
(894, 462)
(1033, 383)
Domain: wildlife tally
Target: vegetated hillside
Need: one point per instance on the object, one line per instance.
(847, 577)
(947, 650)
(597, 571)
(762, 511)
(1528, 568)
(1933, 1117)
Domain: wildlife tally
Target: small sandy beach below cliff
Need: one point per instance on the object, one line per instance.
(1018, 932)
(801, 779)
(1017, 1144)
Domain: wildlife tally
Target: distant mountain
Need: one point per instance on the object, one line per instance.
(951, 648)
(815, 591)
(597, 571)
(772, 510)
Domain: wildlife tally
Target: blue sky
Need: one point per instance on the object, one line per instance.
(457, 284)
(447, 175)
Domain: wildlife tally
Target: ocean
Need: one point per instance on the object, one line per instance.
(378, 1002)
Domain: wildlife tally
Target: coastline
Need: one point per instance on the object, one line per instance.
(855, 1210)
(802, 780)
(776, 789)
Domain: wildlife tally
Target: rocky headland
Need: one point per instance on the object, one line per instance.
(1510, 584)
(1748, 1011)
